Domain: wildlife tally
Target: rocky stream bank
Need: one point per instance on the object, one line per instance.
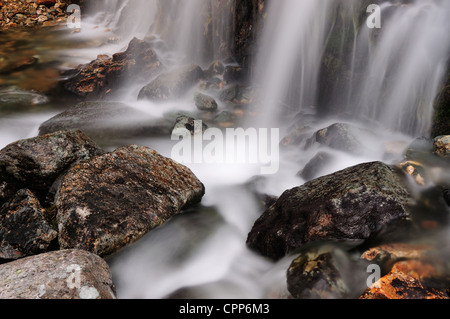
(68, 202)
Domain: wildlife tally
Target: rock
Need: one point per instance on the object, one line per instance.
(229, 93)
(7, 191)
(24, 230)
(235, 74)
(66, 274)
(363, 202)
(415, 170)
(205, 102)
(114, 199)
(441, 120)
(37, 162)
(103, 75)
(47, 3)
(216, 68)
(325, 272)
(315, 165)
(184, 124)
(107, 121)
(441, 146)
(344, 137)
(411, 279)
(419, 149)
(172, 85)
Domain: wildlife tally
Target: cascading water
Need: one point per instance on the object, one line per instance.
(388, 75)
(388, 81)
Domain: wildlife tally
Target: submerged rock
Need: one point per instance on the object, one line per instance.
(114, 199)
(37, 162)
(355, 204)
(106, 121)
(172, 85)
(24, 230)
(66, 274)
(326, 272)
(313, 168)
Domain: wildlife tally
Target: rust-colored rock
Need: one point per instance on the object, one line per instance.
(114, 199)
(411, 279)
(103, 75)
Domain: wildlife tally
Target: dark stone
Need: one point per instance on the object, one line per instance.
(37, 162)
(363, 202)
(24, 230)
(344, 137)
(172, 85)
(315, 165)
(205, 102)
(114, 199)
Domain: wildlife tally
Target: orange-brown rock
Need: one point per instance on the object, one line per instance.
(411, 279)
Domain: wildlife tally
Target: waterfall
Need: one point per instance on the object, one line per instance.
(388, 76)
(192, 30)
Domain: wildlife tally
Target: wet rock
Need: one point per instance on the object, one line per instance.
(363, 202)
(325, 272)
(205, 102)
(104, 75)
(297, 135)
(441, 146)
(216, 68)
(229, 93)
(419, 148)
(37, 162)
(172, 85)
(18, 65)
(114, 199)
(185, 124)
(106, 121)
(441, 120)
(415, 170)
(411, 279)
(235, 74)
(315, 165)
(66, 274)
(344, 137)
(24, 230)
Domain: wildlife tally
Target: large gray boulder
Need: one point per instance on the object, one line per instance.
(65, 274)
(114, 199)
(354, 205)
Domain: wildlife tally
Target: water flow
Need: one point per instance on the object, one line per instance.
(388, 76)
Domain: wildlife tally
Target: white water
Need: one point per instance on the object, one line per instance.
(205, 250)
(394, 82)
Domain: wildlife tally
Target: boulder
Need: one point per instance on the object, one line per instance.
(65, 274)
(37, 162)
(353, 205)
(103, 75)
(344, 137)
(114, 199)
(172, 85)
(24, 230)
(107, 121)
